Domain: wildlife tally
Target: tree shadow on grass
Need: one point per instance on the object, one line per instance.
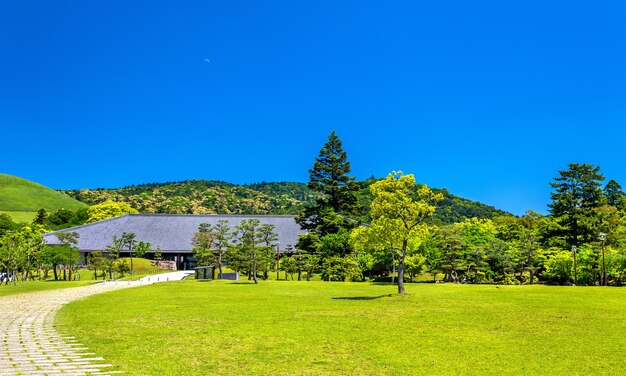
(362, 297)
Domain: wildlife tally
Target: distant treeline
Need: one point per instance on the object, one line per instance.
(217, 197)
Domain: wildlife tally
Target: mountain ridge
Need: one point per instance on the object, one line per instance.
(218, 197)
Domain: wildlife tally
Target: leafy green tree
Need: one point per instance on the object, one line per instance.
(559, 267)
(449, 241)
(577, 192)
(11, 245)
(129, 241)
(337, 268)
(41, 217)
(97, 262)
(269, 239)
(7, 224)
(289, 265)
(109, 209)
(33, 244)
(142, 248)
(158, 254)
(250, 243)
(399, 211)
(51, 258)
(202, 243)
(211, 244)
(69, 241)
(366, 262)
(122, 267)
(414, 264)
(221, 242)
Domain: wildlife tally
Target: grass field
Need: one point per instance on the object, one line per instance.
(20, 216)
(316, 328)
(143, 268)
(32, 286)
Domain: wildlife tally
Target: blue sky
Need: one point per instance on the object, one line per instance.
(486, 98)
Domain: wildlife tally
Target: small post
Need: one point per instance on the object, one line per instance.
(603, 238)
(574, 249)
(277, 261)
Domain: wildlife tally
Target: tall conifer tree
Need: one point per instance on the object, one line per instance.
(577, 191)
(330, 178)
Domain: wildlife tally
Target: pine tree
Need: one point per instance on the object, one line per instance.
(330, 179)
(577, 192)
(41, 217)
(613, 192)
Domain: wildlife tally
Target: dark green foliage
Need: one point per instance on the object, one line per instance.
(7, 224)
(454, 209)
(337, 268)
(335, 206)
(329, 177)
(451, 209)
(64, 218)
(577, 192)
(41, 217)
(613, 193)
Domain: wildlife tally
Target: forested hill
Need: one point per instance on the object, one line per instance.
(216, 197)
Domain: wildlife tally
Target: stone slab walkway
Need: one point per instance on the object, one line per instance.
(29, 345)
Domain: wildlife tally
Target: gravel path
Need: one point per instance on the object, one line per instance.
(30, 345)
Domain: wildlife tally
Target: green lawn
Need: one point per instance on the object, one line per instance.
(32, 286)
(20, 216)
(316, 328)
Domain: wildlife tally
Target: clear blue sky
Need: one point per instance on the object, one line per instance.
(486, 98)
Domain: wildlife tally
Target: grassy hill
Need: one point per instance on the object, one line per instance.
(216, 197)
(21, 198)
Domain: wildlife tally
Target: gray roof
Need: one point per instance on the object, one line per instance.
(171, 232)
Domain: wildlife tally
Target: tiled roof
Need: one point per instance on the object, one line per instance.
(171, 232)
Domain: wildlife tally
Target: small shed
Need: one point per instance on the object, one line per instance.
(204, 272)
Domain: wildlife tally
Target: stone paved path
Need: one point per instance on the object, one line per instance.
(29, 345)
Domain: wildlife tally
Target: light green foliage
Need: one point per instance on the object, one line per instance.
(69, 241)
(109, 209)
(414, 264)
(211, 244)
(142, 248)
(398, 213)
(20, 254)
(337, 268)
(560, 267)
(256, 244)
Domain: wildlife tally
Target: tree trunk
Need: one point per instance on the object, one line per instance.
(54, 270)
(401, 289)
(256, 281)
(299, 275)
(393, 266)
(132, 270)
(219, 264)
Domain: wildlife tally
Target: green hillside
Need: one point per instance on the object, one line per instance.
(216, 197)
(21, 198)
